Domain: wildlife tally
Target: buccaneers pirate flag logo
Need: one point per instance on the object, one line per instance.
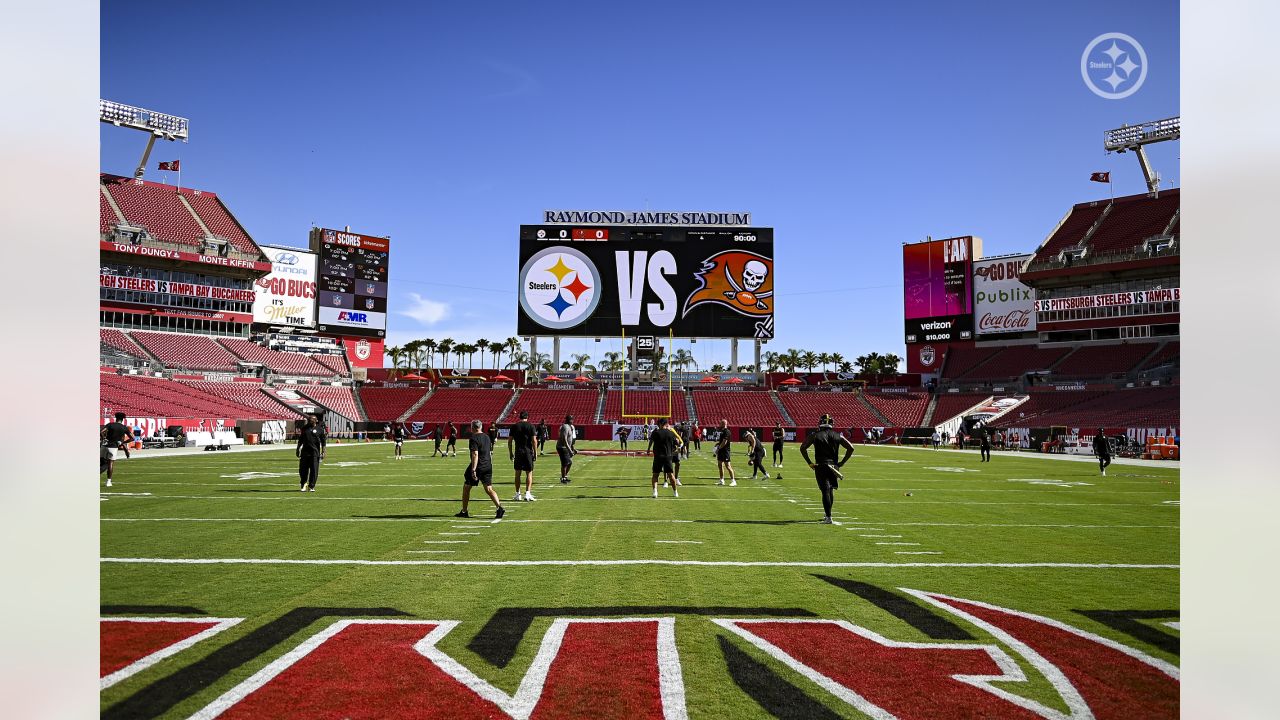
(739, 280)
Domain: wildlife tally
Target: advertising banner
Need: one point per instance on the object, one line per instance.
(146, 251)
(715, 282)
(1001, 303)
(287, 296)
(352, 282)
(1139, 297)
(167, 287)
(937, 286)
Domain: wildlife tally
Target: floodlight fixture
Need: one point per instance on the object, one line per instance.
(155, 124)
(1136, 137)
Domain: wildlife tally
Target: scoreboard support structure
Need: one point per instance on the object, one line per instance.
(670, 379)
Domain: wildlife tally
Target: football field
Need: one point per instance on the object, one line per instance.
(1023, 587)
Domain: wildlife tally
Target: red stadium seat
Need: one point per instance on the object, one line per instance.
(284, 363)
(338, 399)
(186, 350)
(901, 409)
(738, 407)
(388, 404)
(846, 408)
(553, 405)
(154, 397)
(649, 403)
(1103, 360)
(462, 405)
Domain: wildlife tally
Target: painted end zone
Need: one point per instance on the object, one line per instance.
(129, 645)
(369, 669)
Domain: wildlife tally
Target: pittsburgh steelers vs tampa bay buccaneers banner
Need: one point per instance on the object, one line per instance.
(713, 282)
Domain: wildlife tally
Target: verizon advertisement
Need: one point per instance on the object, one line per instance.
(287, 296)
(1001, 303)
(937, 289)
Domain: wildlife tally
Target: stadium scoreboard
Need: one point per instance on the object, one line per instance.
(351, 282)
(604, 280)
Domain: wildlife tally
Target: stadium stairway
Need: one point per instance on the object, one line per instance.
(414, 408)
(688, 403)
(928, 410)
(506, 409)
(359, 403)
(599, 417)
(773, 395)
(875, 412)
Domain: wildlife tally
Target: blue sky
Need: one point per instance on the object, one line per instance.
(847, 127)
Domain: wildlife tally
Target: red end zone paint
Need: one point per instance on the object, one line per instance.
(129, 645)
(1116, 682)
(391, 669)
(884, 678)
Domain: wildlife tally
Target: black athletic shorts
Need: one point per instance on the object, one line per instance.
(524, 461)
(722, 455)
(825, 474)
(566, 457)
(663, 464)
(482, 476)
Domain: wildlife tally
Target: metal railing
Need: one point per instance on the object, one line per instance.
(1092, 258)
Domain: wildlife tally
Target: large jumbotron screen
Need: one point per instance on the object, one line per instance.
(714, 282)
(352, 282)
(937, 287)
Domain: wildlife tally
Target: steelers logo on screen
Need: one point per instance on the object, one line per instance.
(559, 287)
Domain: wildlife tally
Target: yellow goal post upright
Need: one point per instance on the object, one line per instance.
(670, 380)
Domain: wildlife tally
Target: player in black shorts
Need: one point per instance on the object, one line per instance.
(451, 448)
(565, 447)
(779, 437)
(543, 434)
(520, 446)
(826, 443)
(479, 470)
(984, 444)
(722, 454)
(439, 432)
(398, 434)
(114, 435)
(755, 454)
(623, 433)
(1101, 448)
(665, 445)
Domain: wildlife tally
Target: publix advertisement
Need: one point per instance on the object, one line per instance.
(1001, 303)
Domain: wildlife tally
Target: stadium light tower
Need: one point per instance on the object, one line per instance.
(156, 124)
(1135, 137)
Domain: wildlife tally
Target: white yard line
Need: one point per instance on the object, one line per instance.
(639, 520)
(897, 543)
(916, 552)
(880, 536)
(453, 533)
(429, 551)
(680, 542)
(445, 542)
(612, 563)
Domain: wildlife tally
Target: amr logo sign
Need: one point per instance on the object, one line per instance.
(629, 667)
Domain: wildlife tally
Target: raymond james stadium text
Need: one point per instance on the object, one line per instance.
(593, 217)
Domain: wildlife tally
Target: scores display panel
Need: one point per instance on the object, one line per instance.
(351, 280)
(715, 282)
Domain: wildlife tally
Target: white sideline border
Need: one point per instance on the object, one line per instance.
(623, 563)
(147, 661)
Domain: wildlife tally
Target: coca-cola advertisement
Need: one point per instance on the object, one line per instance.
(1001, 303)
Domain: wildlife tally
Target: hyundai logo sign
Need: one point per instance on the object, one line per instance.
(287, 258)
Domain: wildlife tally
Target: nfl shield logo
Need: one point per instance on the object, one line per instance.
(368, 303)
(337, 300)
(927, 355)
(369, 288)
(329, 235)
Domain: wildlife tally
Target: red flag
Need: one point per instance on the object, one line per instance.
(175, 165)
(1104, 177)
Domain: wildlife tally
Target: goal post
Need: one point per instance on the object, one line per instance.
(670, 380)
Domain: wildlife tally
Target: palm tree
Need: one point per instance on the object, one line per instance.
(444, 347)
(791, 359)
(612, 361)
(542, 361)
(682, 359)
(580, 362)
(482, 345)
(770, 360)
(396, 353)
(809, 360)
(429, 351)
(717, 368)
(824, 359)
(845, 366)
(836, 360)
(512, 344)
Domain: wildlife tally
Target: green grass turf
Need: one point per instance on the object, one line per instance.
(206, 506)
